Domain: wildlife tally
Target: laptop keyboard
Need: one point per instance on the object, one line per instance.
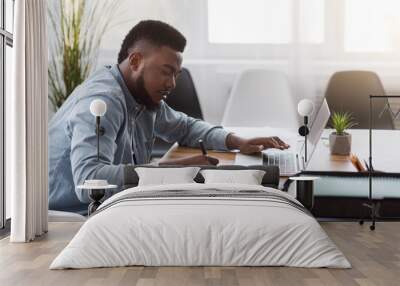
(285, 160)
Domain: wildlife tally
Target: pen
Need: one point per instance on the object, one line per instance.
(203, 150)
(369, 167)
(366, 165)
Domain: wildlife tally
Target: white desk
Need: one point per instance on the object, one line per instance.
(385, 152)
(386, 149)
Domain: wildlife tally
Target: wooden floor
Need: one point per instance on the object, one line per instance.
(375, 257)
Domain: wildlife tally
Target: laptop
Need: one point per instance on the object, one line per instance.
(290, 161)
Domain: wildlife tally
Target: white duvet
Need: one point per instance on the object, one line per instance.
(183, 231)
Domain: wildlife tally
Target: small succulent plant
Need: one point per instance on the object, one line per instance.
(342, 121)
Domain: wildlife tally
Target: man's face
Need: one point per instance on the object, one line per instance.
(157, 76)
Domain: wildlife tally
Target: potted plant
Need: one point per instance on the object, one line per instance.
(340, 141)
(77, 28)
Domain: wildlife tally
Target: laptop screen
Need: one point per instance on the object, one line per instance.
(316, 129)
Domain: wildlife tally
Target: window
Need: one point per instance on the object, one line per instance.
(371, 26)
(340, 28)
(6, 43)
(250, 21)
(265, 21)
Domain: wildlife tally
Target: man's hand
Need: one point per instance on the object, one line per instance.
(192, 160)
(254, 145)
(258, 144)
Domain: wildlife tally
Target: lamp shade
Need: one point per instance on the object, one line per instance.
(305, 107)
(98, 107)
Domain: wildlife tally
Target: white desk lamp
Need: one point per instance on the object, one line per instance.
(98, 108)
(305, 108)
(95, 187)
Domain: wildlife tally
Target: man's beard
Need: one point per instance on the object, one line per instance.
(142, 96)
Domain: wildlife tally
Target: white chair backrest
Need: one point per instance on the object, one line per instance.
(261, 98)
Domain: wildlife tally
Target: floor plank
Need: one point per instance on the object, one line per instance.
(375, 257)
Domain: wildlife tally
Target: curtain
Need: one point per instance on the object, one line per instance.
(26, 117)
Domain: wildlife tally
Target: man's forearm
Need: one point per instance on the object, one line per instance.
(233, 141)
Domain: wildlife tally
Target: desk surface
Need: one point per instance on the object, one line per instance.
(385, 152)
(176, 152)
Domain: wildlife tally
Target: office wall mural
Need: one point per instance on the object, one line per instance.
(309, 40)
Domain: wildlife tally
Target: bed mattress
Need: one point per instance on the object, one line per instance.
(201, 225)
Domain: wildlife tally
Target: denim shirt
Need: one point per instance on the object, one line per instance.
(130, 130)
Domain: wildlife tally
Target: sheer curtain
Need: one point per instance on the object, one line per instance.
(26, 117)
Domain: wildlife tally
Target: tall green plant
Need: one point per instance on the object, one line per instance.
(77, 27)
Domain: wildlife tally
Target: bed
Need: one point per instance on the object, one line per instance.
(201, 224)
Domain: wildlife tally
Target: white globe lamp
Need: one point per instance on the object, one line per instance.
(98, 108)
(305, 108)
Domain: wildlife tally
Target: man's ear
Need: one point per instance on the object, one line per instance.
(135, 60)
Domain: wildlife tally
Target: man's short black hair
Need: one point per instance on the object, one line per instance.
(155, 32)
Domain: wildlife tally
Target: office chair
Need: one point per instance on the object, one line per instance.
(348, 91)
(261, 98)
(182, 98)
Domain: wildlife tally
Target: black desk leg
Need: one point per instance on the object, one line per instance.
(305, 193)
(95, 195)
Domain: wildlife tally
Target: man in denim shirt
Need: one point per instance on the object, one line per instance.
(148, 63)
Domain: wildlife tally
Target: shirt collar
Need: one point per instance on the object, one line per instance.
(131, 103)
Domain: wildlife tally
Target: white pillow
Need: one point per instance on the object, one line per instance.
(163, 176)
(248, 177)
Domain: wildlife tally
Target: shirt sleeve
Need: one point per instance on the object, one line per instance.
(81, 128)
(172, 125)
